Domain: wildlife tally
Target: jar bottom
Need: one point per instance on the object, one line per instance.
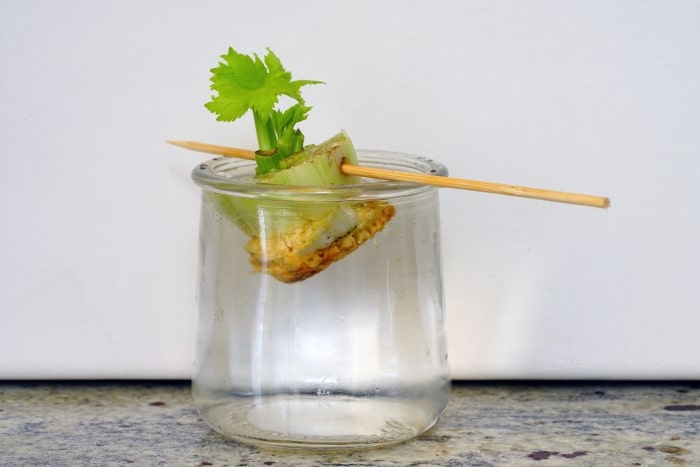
(323, 422)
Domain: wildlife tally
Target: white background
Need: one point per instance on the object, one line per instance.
(99, 217)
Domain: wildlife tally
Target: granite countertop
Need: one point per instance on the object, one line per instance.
(486, 424)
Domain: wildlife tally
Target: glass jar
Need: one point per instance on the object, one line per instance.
(343, 349)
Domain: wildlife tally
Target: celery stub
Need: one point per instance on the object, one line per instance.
(300, 239)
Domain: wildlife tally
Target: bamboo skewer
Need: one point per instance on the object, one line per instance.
(214, 149)
(423, 179)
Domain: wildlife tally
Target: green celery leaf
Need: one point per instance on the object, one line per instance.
(246, 82)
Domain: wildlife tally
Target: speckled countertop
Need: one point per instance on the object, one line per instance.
(486, 424)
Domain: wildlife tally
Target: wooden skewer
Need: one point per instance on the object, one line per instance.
(214, 149)
(423, 179)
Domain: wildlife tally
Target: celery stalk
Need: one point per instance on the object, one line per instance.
(317, 165)
(290, 241)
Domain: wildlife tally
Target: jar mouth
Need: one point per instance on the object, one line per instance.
(235, 177)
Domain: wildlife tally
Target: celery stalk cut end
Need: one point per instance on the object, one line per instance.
(293, 240)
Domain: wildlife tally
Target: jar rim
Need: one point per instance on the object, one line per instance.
(235, 177)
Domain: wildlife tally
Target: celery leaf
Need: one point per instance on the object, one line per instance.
(242, 83)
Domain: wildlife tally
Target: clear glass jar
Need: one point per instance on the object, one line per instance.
(352, 356)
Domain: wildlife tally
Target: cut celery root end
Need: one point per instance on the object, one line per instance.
(289, 262)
